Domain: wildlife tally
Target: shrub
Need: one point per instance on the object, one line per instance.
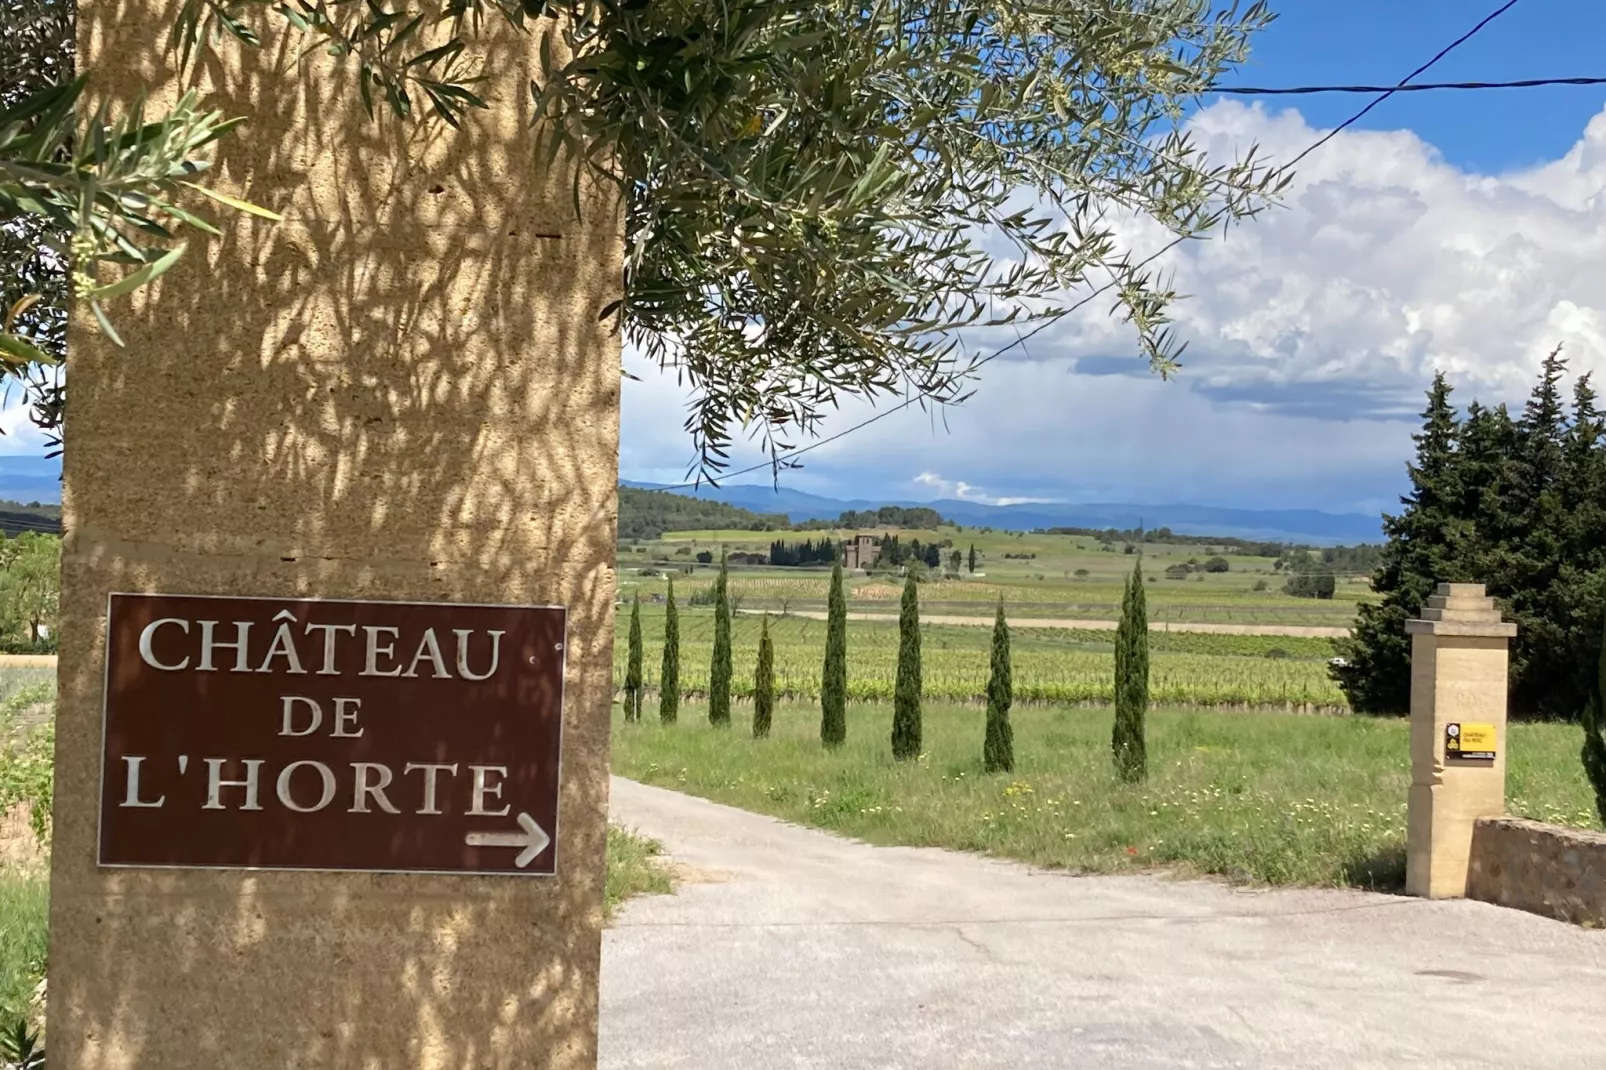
(45, 644)
(1310, 585)
(1594, 753)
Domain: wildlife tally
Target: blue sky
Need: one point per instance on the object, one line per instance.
(1463, 231)
(1378, 42)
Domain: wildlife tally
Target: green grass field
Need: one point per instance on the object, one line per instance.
(1256, 797)
(1050, 665)
(24, 910)
(1069, 576)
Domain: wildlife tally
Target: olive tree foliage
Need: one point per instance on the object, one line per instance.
(82, 190)
(30, 583)
(36, 53)
(820, 195)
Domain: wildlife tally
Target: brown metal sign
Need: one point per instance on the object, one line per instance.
(271, 733)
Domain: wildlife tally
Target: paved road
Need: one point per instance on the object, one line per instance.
(788, 948)
(1305, 630)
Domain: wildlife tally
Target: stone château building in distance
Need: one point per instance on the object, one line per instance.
(860, 551)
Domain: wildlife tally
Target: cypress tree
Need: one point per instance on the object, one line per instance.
(834, 679)
(906, 692)
(1425, 547)
(669, 677)
(633, 665)
(1131, 681)
(719, 673)
(973, 557)
(764, 683)
(998, 751)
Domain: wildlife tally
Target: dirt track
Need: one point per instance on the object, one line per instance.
(1308, 631)
(27, 661)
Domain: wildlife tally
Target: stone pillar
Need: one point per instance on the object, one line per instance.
(1458, 689)
(405, 390)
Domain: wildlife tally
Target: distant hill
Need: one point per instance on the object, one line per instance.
(647, 514)
(16, 517)
(25, 478)
(1309, 526)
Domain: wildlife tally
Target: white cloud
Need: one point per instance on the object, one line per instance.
(1313, 330)
(965, 492)
(18, 435)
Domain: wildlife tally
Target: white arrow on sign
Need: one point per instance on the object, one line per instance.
(533, 839)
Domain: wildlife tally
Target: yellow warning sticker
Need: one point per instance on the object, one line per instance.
(1470, 741)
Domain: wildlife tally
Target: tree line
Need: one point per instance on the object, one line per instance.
(647, 514)
(1362, 557)
(807, 552)
(1128, 737)
(918, 517)
(1518, 503)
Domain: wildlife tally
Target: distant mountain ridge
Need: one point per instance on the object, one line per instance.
(1284, 525)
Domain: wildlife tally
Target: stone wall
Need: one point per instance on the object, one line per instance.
(1545, 869)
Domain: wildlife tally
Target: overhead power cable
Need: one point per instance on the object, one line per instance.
(1445, 51)
(1420, 87)
(1021, 340)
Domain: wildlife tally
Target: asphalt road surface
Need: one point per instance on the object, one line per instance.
(784, 947)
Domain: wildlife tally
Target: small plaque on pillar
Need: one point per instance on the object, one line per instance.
(1469, 741)
(282, 733)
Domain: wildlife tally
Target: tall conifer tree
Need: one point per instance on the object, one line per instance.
(1518, 505)
(633, 665)
(998, 749)
(669, 677)
(719, 672)
(764, 683)
(834, 678)
(1127, 743)
(1425, 547)
(906, 729)
(972, 557)
(1525, 574)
